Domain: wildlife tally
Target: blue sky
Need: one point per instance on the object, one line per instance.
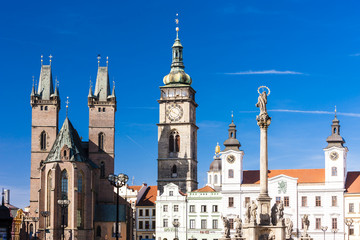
(307, 52)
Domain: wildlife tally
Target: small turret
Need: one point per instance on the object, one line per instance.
(232, 143)
(335, 139)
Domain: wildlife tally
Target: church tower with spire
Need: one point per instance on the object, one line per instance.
(45, 104)
(335, 157)
(102, 108)
(177, 130)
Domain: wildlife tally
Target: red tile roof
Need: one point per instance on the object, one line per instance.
(303, 175)
(135, 188)
(205, 189)
(149, 197)
(352, 184)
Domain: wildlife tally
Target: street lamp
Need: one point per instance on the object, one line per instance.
(324, 228)
(45, 214)
(64, 203)
(176, 225)
(117, 181)
(35, 219)
(334, 230)
(348, 223)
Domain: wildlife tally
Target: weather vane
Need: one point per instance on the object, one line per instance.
(50, 59)
(67, 105)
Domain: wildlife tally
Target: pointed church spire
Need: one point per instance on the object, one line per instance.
(90, 89)
(33, 87)
(113, 90)
(335, 138)
(45, 86)
(232, 143)
(177, 74)
(102, 86)
(56, 92)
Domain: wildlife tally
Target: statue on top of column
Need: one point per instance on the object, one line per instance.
(263, 118)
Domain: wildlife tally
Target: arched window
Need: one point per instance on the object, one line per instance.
(174, 142)
(31, 229)
(334, 130)
(231, 173)
(48, 193)
(101, 141)
(64, 195)
(103, 109)
(102, 170)
(80, 202)
(46, 108)
(174, 171)
(334, 171)
(215, 179)
(98, 231)
(43, 140)
(209, 179)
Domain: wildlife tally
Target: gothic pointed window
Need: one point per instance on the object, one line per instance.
(174, 142)
(80, 200)
(64, 195)
(43, 140)
(101, 141)
(48, 197)
(171, 143)
(102, 170)
(174, 171)
(98, 231)
(177, 143)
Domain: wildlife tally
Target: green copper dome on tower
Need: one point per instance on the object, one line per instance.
(177, 74)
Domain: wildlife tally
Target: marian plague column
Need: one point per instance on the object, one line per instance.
(263, 120)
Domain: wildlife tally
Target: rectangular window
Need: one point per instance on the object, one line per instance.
(165, 208)
(203, 208)
(147, 212)
(154, 212)
(153, 225)
(141, 225)
(231, 173)
(231, 222)
(171, 193)
(203, 224)
(215, 224)
(351, 230)
(176, 208)
(140, 212)
(333, 171)
(304, 201)
(165, 223)
(351, 208)
(192, 208)
(334, 201)
(286, 201)
(334, 223)
(318, 201)
(192, 223)
(215, 208)
(147, 225)
(247, 201)
(278, 200)
(231, 202)
(317, 223)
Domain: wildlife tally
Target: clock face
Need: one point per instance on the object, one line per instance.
(334, 155)
(230, 158)
(174, 112)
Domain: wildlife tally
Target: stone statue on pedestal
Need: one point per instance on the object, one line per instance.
(226, 227)
(238, 227)
(248, 213)
(274, 213)
(306, 224)
(289, 228)
(281, 213)
(253, 212)
(262, 101)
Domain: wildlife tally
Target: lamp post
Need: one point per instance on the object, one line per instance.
(324, 228)
(335, 230)
(348, 223)
(117, 181)
(45, 214)
(35, 220)
(64, 203)
(176, 225)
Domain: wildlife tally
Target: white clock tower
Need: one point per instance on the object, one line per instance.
(177, 130)
(231, 172)
(335, 158)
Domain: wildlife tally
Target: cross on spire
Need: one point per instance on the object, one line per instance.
(33, 80)
(67, 105)
(232, 116)
(177, 25)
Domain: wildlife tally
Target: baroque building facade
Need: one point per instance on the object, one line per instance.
(64, 167)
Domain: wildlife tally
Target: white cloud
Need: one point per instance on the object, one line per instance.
(250, 72)
(355, 55)
(307, 112)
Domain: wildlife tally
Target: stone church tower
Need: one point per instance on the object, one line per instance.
(177, 130)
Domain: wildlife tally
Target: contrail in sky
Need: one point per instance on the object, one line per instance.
(308, 112)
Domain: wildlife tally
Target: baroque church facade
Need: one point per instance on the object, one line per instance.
(64, 167)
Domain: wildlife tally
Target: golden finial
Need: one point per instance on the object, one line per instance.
(217, 149)
(335, 111)
(232, 116)
(50, 59)
(67, 105)
(98, 58)
(107, 61)
(177, 25)
(42, 59)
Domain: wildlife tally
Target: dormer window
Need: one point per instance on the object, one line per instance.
(65, 153)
